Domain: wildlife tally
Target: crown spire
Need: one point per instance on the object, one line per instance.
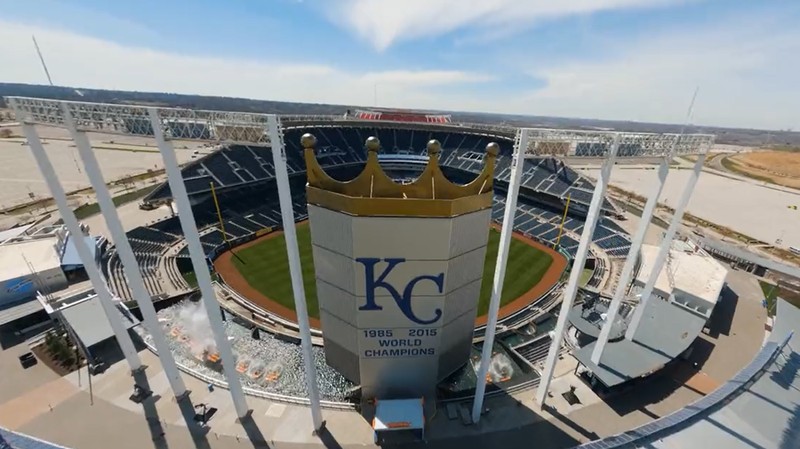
(431, 188)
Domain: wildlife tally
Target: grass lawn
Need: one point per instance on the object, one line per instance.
(586, 276)
(266, 268)
(89, 209)
(191, 278)
(770, 294)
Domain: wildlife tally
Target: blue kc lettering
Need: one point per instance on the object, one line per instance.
(403, 300)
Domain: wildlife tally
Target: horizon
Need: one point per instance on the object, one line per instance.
(379, 107)
(610, 60)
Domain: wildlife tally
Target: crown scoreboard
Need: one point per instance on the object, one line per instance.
(398, 270)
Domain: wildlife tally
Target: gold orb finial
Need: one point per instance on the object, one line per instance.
(373, 144)
(434, 147)
(493, 148)
(308, 140)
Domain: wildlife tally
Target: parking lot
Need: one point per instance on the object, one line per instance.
(749, 207)
(118, 156)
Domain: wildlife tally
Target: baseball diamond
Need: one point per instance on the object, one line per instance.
(259, 271)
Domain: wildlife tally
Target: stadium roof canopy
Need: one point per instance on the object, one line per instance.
(70, 255)
(734, 252)
(25, 258)
(667, 329)
(15, 311)
(90, 323)
(12, 233)
(249, 128)
(757, 408)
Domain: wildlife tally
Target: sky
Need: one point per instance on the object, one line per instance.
(636, 60)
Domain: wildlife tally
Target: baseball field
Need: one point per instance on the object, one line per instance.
(260, 271)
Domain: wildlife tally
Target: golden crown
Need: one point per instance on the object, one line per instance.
(373, 192)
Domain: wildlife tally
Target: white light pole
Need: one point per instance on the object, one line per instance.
(198, 257)
(571, 290)
(295, 268)
(664, 248)
(89, 264)
(125, 252)
(517, 164)
(633, 256)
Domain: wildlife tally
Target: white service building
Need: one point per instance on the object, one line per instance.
(690, 277)
(29, 266)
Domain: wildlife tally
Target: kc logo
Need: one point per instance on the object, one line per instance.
(403, 300)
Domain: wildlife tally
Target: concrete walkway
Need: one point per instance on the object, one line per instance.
(65, 410)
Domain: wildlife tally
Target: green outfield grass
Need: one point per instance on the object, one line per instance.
(266, 268)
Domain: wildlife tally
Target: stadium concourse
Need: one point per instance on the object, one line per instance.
(243, 179)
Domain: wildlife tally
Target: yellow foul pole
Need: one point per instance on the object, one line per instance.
(219, 213)
(563, 220)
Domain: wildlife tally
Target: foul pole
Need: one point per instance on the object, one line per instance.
(563, 220)
(219, 215)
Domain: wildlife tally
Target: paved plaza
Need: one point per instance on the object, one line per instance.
(65, 410)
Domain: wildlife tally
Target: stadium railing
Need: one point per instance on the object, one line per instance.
(744, 379)
(244, 302)
(15, 440)
(524, 315)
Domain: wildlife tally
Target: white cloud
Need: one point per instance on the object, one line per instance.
(383, 22)
(746, 76)
(745, 67)
(81, 61)
(423, 78)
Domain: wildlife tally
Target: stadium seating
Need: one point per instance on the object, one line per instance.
(336, 145)
(543, 224)
(244, 178)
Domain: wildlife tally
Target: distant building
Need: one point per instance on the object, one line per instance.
(35, 262)
(401, 116)
(27, 267)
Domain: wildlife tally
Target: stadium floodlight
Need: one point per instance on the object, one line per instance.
(517, 164)
(125, 252)
(611, 142)
(249, 129)
(165, 124)
(630, 262)
(567, 143)
(198, 258)
(90, 265)
(295, 268)
(664, 247)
